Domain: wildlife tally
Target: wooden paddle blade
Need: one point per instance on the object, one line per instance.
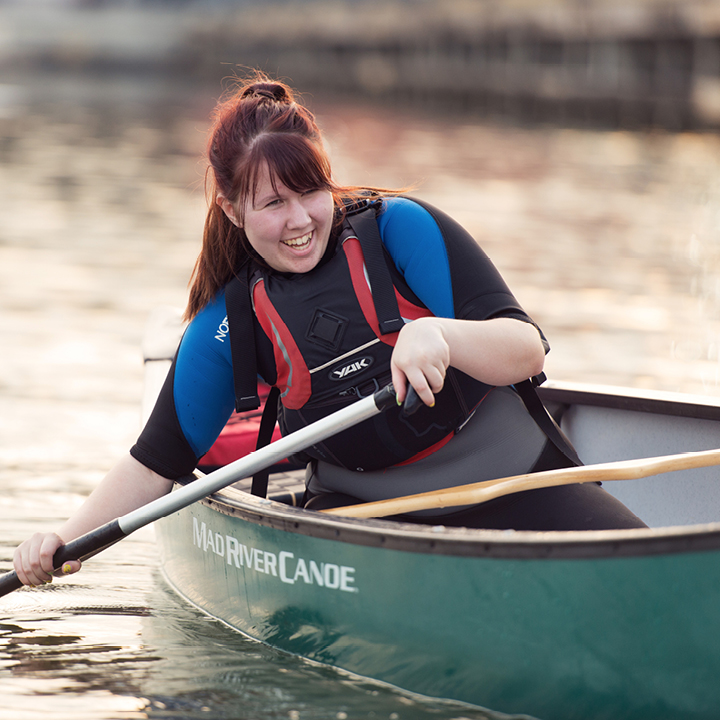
(481, 492)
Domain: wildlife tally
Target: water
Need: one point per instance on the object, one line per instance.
(610, 240)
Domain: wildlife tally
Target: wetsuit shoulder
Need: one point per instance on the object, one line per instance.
(443, 264)
(416, 245)
(196, 400)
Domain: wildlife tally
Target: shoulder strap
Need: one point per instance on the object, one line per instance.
(242, 343)
(267, 426)
(242, 332)
(544, 420)
(244, 360)
(364, 225)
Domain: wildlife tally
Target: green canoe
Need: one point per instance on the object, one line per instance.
(559, 626)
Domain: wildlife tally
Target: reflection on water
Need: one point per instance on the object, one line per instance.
(609, 239)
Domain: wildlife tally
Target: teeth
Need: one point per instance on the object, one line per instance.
(296, 242)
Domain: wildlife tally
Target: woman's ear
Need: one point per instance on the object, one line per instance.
(229, 209)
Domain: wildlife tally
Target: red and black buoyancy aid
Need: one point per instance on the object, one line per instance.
(333, 331)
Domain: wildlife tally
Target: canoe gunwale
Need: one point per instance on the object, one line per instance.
(464, 542)
(642, 401)
(506, 544)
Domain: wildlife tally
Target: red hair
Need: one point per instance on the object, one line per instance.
(259, 122)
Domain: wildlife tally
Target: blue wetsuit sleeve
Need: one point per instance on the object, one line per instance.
(203, 390)
(443, 265)
(196, 400)
(416, 245)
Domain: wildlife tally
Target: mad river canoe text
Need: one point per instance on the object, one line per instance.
(283, 565)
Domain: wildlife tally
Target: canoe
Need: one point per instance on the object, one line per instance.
(557, 625)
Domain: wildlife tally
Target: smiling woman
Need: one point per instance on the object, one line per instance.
(289, 230)
(329, 292)
(268, 171)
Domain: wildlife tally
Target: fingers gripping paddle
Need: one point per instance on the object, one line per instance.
(93, 542)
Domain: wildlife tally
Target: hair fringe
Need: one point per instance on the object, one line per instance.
(253, 107)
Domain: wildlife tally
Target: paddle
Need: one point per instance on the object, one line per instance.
(97, 540)
(481, 492)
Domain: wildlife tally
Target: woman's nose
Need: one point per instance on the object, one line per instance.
(298, 216)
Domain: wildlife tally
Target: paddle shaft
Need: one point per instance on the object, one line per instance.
(481, 492)
(97, 540)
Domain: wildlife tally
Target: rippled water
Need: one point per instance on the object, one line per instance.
(115, 643)
(609, 239)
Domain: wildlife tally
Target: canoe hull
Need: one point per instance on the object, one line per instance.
(607, 625)
(602, 625)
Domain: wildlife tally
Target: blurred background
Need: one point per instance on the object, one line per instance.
(576, 139)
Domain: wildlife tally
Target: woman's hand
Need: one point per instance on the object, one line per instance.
(421, 357)
(500, 351)
(33, 560)
(128, 486)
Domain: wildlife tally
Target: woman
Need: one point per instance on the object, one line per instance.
(330, 292)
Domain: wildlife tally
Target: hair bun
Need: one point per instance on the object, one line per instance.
(270, 90)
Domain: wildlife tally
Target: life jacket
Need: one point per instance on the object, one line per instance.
(333, 331)
(322, 345)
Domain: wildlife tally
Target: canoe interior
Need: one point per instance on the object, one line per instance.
(607, 424)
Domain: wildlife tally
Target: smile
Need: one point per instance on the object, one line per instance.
(299, 242)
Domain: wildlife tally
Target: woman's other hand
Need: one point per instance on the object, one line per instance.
(33, 560)
(421, 357)
(500, 351)
(128, 486)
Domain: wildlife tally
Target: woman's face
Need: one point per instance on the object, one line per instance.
(289, 230)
